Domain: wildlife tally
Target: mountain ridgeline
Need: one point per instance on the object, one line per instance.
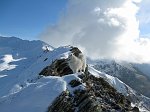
(36, 77)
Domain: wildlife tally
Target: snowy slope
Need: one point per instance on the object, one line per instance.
(16, 56)
(23, 90)
(21, 87)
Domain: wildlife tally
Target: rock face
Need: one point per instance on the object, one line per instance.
(96, 96)
(57, 68)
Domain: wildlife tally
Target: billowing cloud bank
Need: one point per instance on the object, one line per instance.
(102, 29)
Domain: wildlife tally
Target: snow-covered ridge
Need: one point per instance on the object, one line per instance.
(21, 86)
(139, 100)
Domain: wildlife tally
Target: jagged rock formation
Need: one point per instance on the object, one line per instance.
(57, 68)
(97, 96)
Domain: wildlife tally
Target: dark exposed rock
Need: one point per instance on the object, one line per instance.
(57, 68)
(62, 104)
(135, 109)
(75, 83)
(98, 96)
(45, 59)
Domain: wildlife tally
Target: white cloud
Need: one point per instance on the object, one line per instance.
(102, 28)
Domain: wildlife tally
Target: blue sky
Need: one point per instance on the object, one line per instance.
(144, 17)
(27, 18)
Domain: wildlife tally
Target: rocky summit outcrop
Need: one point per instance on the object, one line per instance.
(96, 96)
(60, 67)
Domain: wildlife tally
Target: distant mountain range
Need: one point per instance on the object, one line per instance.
(132, 74)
